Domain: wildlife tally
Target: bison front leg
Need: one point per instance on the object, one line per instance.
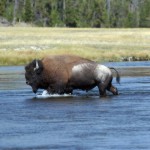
(60, 89)
(68, 90)
(50, 90)
(57, 88)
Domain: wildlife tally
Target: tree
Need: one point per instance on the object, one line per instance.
(2, 7)
(28, 11)
(145, 14)
(78, 13)
(15, 12)
(100, 16)
(71, 13)
(108, 12)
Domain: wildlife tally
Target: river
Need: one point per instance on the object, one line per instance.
(79, 122)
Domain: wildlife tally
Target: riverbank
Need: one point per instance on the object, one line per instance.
(20, 45)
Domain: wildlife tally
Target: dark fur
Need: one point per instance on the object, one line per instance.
(55, 75)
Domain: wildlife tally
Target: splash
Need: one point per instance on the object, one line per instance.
(45, 94)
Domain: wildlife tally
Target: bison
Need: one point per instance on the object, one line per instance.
(63, 73)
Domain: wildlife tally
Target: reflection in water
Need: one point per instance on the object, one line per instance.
(83, 121)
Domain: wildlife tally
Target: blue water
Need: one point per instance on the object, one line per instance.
(129, 64)
(81, 122)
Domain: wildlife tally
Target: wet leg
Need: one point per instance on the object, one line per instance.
(57, 88)
(68, 90)
(112, 89)
(102, 90)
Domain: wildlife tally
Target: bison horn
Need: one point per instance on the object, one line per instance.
(37, 65)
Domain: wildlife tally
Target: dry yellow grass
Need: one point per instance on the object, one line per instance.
(20, 45)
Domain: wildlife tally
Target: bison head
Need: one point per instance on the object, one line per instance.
(32, 74)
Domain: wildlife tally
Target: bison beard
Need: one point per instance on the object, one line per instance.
(63, 73)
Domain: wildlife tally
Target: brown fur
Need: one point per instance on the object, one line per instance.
(55, 75)
(58, 68)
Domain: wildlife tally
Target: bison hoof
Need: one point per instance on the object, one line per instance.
(103, 95)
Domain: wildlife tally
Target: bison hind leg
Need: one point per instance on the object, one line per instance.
(102, 90)
(112, 89)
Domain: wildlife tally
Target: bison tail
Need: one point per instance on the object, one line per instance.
(117, 75)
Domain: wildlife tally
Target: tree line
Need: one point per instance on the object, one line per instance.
(78, 13)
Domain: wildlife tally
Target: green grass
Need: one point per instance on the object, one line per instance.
(19, 45)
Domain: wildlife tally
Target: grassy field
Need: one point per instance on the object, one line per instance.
(19, 45)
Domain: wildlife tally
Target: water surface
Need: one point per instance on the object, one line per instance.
(83, 121)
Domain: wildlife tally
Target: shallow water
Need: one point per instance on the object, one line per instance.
(83, 121)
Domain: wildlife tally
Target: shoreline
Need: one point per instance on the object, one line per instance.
(18, 58)
(134, 71)
(20, 45)
(124, 71)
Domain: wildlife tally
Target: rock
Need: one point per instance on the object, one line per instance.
(4, 22)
